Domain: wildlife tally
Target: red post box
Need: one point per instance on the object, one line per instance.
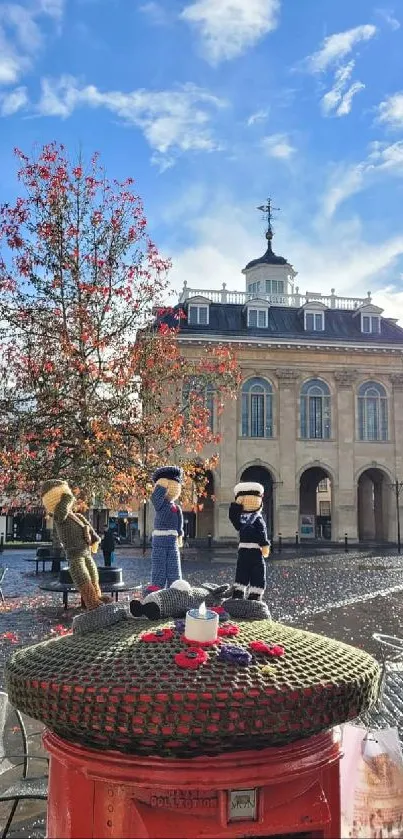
(290, 791)
(152, 739)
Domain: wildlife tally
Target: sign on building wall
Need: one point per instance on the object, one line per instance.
(307, 526)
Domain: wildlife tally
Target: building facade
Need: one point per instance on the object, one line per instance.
(319, 415)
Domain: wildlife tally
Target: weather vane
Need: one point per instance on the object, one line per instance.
(268, 211)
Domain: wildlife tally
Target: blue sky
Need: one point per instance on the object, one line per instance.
(212, 105)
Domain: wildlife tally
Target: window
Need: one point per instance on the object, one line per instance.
(257, 318)
(372, 412)
(196, 389)
(274, 286)
(314, 321)
(254, 288)
(257, 408)
(324, 508)
(322, 486)
(198, 315)
(370, 324)
(315, 410)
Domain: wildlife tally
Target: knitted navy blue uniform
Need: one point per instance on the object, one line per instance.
(251, 568)
(165, 556)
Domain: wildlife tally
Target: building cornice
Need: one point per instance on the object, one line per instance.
(285, 343)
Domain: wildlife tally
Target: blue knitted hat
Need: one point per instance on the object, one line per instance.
(173, 473)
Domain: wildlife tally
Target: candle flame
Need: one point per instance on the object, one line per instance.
(202, 610)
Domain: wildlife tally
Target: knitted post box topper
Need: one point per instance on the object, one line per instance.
(175, 601)
(254, 546)
(78, 538)
(167, 535)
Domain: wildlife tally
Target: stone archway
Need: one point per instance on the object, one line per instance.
(374, 499)
(315, 504)
(205, 510)
(263, 476)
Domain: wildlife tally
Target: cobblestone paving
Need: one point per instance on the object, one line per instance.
(345, 596)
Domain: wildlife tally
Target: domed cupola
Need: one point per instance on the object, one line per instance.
(270, 276)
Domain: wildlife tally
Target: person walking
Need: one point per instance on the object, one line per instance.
(108, 546)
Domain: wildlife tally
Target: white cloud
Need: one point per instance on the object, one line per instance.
(347, 181)
(336, 47)
(391, 110)
(21, 37)
(258, 116)
(344, 184)
(225, 237)
(156, 13)
(52, 8)
(385, 157)
(14, 101)
(278, 145)
(333, 97)
(389, 18)
(11, 65)
(229, 27)
(338, 100)
(346, 103)
(171, 120)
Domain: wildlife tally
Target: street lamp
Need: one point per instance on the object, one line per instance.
(144, 526)
(274, 486)
(397, 486)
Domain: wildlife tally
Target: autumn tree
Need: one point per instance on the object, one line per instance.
(90, 375)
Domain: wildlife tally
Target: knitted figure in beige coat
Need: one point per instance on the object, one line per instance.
(78, 538)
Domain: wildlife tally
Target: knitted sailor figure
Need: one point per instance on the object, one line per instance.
(167, 535)
(254, 546)
(78, 538)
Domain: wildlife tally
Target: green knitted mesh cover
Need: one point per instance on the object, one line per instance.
(110, 690)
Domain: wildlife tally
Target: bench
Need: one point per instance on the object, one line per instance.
(42, 560)
(66, 588)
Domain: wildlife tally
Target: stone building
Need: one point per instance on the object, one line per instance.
(319, 416)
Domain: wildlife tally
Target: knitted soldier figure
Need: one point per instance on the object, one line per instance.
(167, 535)
(78, 538)
(254, 546)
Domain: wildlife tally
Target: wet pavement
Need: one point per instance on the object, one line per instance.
(345, 596)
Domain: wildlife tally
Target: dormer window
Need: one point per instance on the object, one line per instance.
(198, 314)
(370, 324)
(314, 321)
(370, 318)
(257, 318)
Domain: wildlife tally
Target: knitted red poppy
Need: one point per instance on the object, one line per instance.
(158, 637)
(200, 644)
(228, 631)
(219, 610)
(191, 659)
(272, 650)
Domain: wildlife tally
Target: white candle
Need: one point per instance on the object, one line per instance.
(201, 624)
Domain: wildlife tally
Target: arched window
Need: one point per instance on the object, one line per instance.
(372, 412)
(257, 408)
(315, 410)
(195, 388)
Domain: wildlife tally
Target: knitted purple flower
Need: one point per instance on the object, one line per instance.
(235, 655)
(180, 625)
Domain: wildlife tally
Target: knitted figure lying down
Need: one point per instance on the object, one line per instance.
(174, 602)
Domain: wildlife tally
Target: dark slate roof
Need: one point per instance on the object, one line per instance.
(268, 258)
(285, 322)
